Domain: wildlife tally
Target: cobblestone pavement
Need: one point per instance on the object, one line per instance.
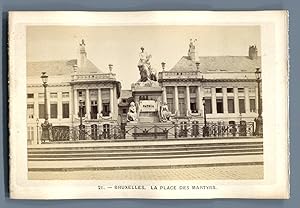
(200, 173)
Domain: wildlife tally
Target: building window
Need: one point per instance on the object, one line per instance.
(170, 104)
(124, 100)
(242, 105)
(182, 106)
(53, 110)
(252, 90)
(65, 94)
(193, 105)
(218, 90)
(207, 90)
(208, 108)
(94, 109)
(53, 95)
(41, 111)
(181, 90)
(229, 90)
(80, 93)
(65, 110)
(105, 109)
(193, 90)
(30, 95)
(220, 105)
(240, 90)
(30, 134)
(30, 110)
(124, 110)
(169, 90)
(252, 105)
(41, 95)
(230, 102)
(83, 109)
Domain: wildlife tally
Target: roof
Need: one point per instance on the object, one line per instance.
(89, 68)
(60, 67)
(53, 68)
(218, 63)
(126, 94)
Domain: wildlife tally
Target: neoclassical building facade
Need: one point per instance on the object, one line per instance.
(72, 85)
(226, 84)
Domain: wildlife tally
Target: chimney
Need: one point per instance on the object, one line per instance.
(252, 52)
(82, 54)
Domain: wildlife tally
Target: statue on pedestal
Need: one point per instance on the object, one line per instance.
(147, 73)
(132, 114)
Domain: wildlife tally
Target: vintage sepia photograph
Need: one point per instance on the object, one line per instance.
(144, 102)
(142, 105)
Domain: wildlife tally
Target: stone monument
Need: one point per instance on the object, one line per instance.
(151, 118)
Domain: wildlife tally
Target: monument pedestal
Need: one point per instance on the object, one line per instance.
(148, 99)
(150, 131)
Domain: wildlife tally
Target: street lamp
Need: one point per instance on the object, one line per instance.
(81, 135)
(205, 127)
(259, 120)
(46, 126)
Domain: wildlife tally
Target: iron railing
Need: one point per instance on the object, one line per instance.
(173, 130)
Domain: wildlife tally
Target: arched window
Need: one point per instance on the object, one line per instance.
(106, 131)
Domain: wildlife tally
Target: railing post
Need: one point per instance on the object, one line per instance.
(166, 132)
(114, 128)
(155, 132)
(134, 132)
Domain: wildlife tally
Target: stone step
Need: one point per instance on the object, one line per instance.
(129, 153)
(168, 148)
(140, 145)
(145, 158)
(153, 156)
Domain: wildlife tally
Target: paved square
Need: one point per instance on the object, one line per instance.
(247, 172)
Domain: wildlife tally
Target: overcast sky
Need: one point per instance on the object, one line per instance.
(120, 46)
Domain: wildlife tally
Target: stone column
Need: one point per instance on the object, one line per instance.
(213, 100)
(236, 100)
(225, 104)
(188, 100)
(48, 104)
(99, 103)
(87, 104)
(176, 100)
(164, 95)
(111, 103)
(247, 101)
(36, 105)
(115, 102)
(71, 112)
(75, 101)
(59, 105)
(199, 100)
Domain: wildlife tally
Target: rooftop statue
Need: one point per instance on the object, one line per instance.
(147, 73)
(192, 49)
